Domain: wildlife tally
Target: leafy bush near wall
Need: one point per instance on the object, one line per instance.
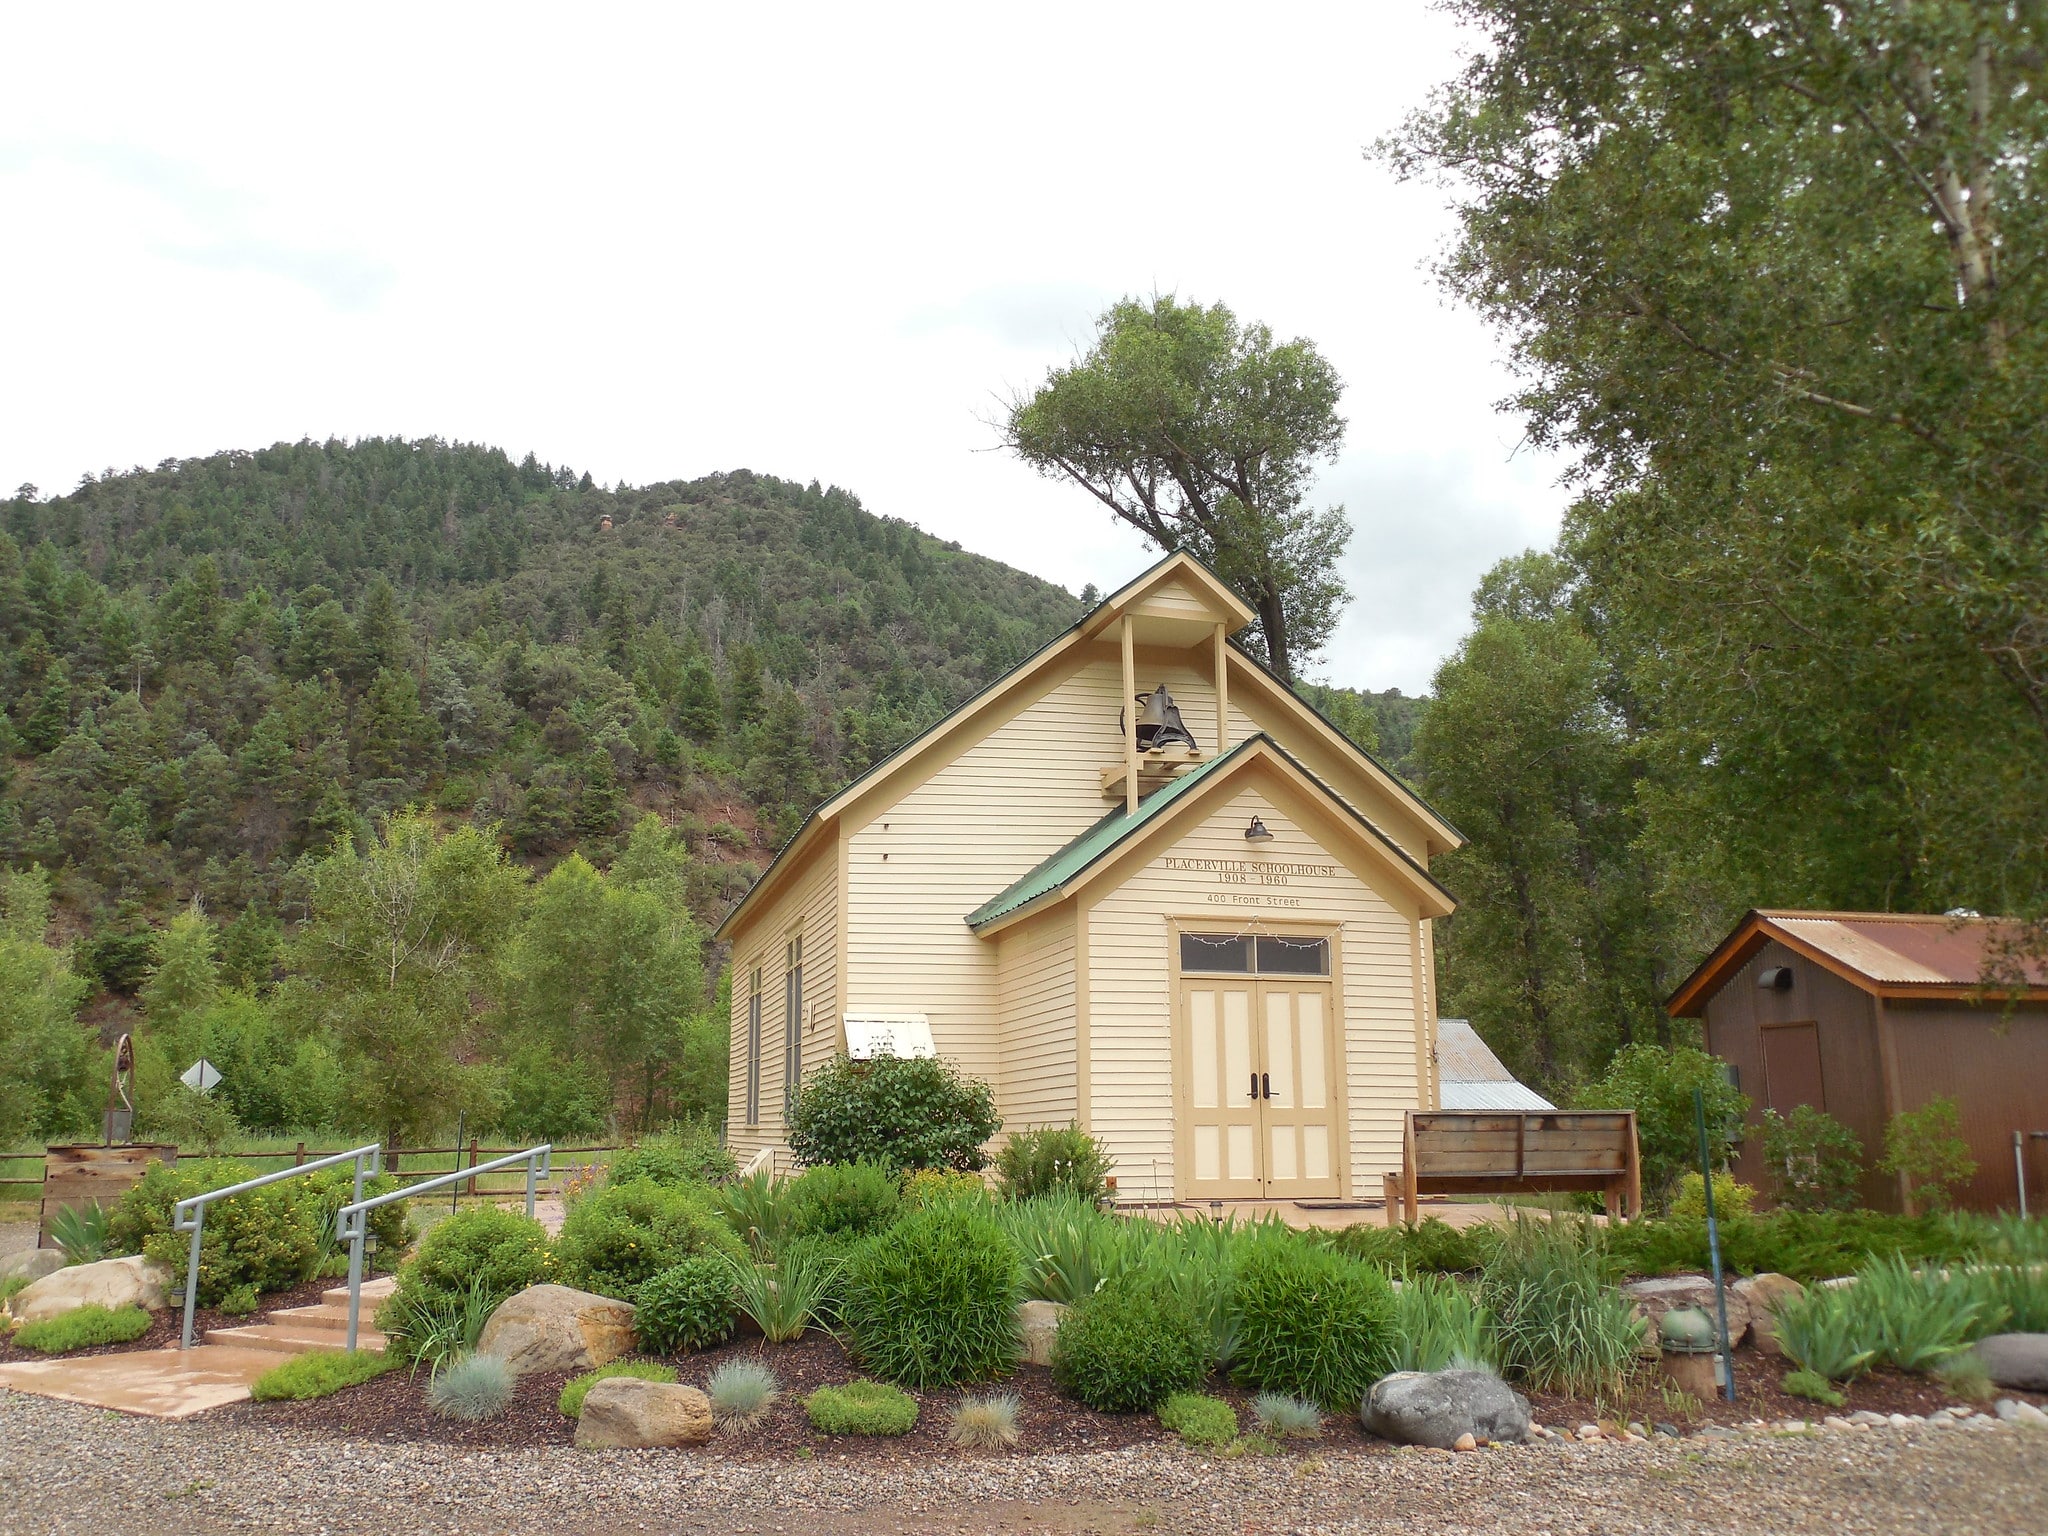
(1311, 1322)
(1129, 1346)
(1657, 1082)
(626, 1234)
(933, 1300)
(901, 1112)
(685, 1153)
(1732, 1198)
(1927, 1149)
(1053, 1160)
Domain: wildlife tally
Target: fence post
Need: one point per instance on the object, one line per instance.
(472, 1163)
(299, 1156)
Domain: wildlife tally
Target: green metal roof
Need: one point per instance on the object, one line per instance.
(1101, 839)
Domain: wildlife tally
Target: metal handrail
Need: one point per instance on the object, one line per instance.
(350, 1227)
(189, 1214)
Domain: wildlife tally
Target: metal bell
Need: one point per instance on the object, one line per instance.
(1159, 722)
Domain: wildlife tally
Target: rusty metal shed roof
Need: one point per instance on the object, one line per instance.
(1895, 954)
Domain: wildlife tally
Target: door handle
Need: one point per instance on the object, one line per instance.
(1255, 1087)
(1266, 1082)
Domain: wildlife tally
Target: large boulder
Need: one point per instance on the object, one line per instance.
(1438, 1407)
(556, 1329)
(1669, 1293)
(1039, 1324)
(110, 1283)
(1762, 1295)
(625, 1413)
(32, 1263)
(2017, 1360)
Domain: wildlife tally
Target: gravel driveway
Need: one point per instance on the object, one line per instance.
(70, 1469)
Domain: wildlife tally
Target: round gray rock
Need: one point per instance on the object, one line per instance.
(2016, 1360)
(1436, 1407)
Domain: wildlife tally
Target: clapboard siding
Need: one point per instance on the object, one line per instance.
(1131, 1004)
(810, 906)
(1035, 980)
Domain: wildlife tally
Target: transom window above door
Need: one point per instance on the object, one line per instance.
(1244, 954)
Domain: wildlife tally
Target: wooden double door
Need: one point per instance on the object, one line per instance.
(1260, 1111)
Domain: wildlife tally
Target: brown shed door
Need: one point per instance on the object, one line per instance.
(1792, 1066)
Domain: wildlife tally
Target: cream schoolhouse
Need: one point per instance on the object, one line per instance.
(1136, 884)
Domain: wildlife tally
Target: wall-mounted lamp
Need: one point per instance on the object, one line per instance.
(1257, 833)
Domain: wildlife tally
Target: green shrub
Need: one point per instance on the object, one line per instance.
(578, 1387)
(1657, 1082)
(1805, 1245)
(1439, 1326)
(269, 1238)
(1815, 1161)
(320, 1373)
(1198, 1419)
(83, 1328)
(1814, 1387)
(2016, 1294)
(1916, 1319)
(901, 1112)
(843, 1200)
(861, 1408)
(1558, 1323)
(1926, 1148)
(686, 1153)
(1311, 1322)
(501, 1251)
(1732, 1198)
(933, 1300)
(1129, 1346)
(626, 1234)
(471, 1388)
(1429, 1246)
(687, 1307)
(1069, 1247)
(942, 1186)
(1053, 1160)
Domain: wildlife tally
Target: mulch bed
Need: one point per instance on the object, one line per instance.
(167, 1328)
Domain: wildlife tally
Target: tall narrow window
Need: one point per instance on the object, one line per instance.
(792, 1027)
(754, 1048)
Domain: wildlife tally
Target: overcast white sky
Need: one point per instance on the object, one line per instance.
(820, 242)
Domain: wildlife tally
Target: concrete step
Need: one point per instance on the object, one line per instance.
(327, 1314)
(287, 1340)
(374, 1292)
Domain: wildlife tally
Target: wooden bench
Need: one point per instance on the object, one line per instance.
(1497, 1152)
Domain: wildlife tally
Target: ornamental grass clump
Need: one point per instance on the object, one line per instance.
(1287, 1418)
(861, 1408)
(1311, 1323)
(1053, 1160)
(688, 1306)
(465, 1266)
(1199, 1419)
(86, 1327)
(933, 1301)
(758, 1210)
(1070, 1248)
(1915, 1319)
(570, 1403)
(742, 1392)
(320, 1373)
(1129, 1346)
(1824, 1334)
(1559, 1324)
(430, 1326)
(1440, 1326)
(991, 1423)
(471, 1388)
(782, 1299)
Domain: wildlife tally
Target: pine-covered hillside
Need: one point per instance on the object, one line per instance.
(215, 667)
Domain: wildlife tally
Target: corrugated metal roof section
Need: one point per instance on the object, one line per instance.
(1470, 1076)
(1908, 949)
